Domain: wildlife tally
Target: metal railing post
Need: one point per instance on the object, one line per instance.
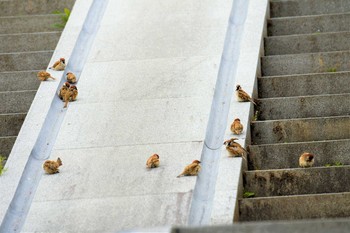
(204, 191)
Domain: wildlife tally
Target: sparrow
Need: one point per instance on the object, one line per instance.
(236, 126)
(43, 75)
(192, 169)
(59, 65)
(242, 96)
(62, 92)
(70, 95)
(71, 78)
(153, 161)
(306, 160)
(51, 167)
(234, 148)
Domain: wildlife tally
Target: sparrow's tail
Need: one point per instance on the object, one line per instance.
(180, 175)
(66, 103)
(52, 78)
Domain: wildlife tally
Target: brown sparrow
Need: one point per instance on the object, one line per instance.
(51, 167)
(242, 96)
(153, 161)
(306, 160)
(192, 169)
(59, 65)
(64, 89)
(236, 126)
(71, 78)
(234, 148)
(70, 95)
(43, 75)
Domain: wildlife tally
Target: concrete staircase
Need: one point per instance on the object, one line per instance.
(27, 43)
(304, 105)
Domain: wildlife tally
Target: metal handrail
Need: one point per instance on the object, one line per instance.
(204, 191)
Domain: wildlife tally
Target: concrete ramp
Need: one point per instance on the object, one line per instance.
(146, 88)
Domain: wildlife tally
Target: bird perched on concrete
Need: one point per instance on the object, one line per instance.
(51, 166)
(236, 126)
(43, 75)
(64, 89)
(306, 160)
(59, 65)
(71, 78)
(234, 148)
(192, 169)
(242, 96)
(153, 161)
(71, 95)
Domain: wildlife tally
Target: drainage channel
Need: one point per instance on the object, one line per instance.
(19, 207)
(204, 191)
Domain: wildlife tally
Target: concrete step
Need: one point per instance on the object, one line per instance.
(6, 144)
(300, 130)
(284, 8)
(308, 84)
(309, 43)
(304, 107)
(297, 181)
(31, 7)
(28, 24)
(16, 101)
(29, 42)
(308, 24)
(19, 81)
(305, 63)
(286, 155)
(10, 124)
(25, 61)
(332, 205)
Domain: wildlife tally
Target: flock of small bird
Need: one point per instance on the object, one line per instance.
(66, 93)
(69, 93)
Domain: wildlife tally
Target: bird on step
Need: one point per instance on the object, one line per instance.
(192, 169)
(64, 89)
(242, 96)
(59, 65)
(51, 166)
(153, 161)
(234, 148)
(71, 78)
(71, 95)
(43, 75)
(306, 160)
(236, 126)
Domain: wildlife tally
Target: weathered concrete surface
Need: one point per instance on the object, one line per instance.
(304, 107)
(305, 63)
(28, 24)
(286, 155)
(19, 81)
(6, 144)
(16, 101)
(307, 226)
(332, 205)
(33, 7)
(24, 61)
(283, 8)
(308, 24)
(299, 130)
(29, 42)
(154, 82)
(10, 124)
(297, 181)
(295, 44)
(308, 84)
